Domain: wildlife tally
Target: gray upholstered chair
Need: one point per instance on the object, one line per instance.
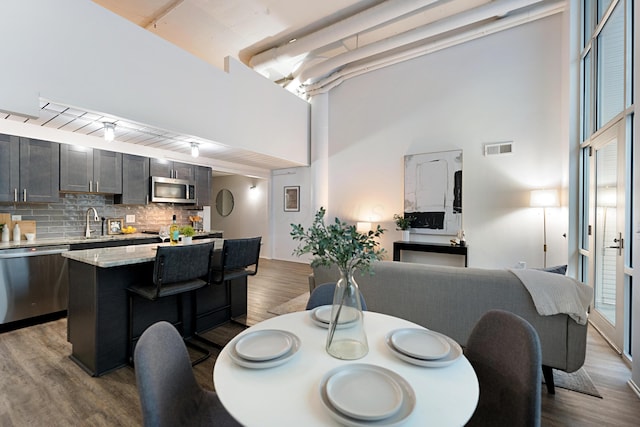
(177, 270)
(169, 393)
(504, 351)
(323, 295)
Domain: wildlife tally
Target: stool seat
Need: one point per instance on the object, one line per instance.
(150, 291)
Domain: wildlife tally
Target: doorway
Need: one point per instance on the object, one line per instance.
(608, 213)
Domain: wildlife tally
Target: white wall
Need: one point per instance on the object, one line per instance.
(283, 245)
(249, 217)
(77, 53)
(504, 87)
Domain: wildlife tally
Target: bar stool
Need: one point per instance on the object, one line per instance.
(177, 270)
(238, 258)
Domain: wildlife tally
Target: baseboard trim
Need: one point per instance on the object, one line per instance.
(633, 386)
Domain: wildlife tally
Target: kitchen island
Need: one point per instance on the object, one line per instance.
(97, 316)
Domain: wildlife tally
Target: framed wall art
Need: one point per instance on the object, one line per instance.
(292, 199)
(433, 192)
(115, 225)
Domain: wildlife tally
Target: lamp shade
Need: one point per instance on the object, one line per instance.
(544, 198)
(363, 227)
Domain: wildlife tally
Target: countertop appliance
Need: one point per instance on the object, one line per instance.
(172, 190)
(34, 281)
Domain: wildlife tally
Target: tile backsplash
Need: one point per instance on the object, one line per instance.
(67, 218)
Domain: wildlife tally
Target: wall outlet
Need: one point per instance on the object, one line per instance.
(522, 264)
(130, 218)
(16, 217)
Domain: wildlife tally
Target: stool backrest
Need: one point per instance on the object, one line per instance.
(175, 264)
(239, 258)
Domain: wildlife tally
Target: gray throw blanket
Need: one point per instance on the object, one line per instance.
(555, 293)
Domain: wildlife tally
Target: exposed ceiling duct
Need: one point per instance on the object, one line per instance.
(352, 70)
(282, 57)
(323, 59)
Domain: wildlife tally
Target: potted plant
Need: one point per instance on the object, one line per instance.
(403, 223)
(341, 244)
(187, 232)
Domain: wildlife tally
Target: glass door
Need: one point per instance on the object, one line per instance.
(607, 277)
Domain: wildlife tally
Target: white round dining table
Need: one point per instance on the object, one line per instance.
(289, 394)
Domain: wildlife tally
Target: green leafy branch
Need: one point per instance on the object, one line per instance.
(338, 243)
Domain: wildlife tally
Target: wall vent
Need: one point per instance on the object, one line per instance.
(498, 148)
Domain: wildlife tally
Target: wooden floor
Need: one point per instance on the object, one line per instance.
(41, 386)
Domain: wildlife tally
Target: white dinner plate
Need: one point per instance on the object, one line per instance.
(251, 364)
(263, 345)
(407, 405)
(454, 354)
(364, 392)
(420, 343)
(321, 316)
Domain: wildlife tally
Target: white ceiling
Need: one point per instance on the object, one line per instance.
(307, 46)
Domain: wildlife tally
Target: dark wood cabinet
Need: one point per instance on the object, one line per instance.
(86, 169)
(135, 180)
(203, 186)
(107, 171)
(9, 168)
(170, 169)
(29, 170)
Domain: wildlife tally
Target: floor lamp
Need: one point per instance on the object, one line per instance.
(544, 199)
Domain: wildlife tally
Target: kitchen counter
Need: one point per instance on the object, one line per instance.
(77, 240)
(124, 255)
(97, 315)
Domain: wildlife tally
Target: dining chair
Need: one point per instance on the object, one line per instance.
(238, 258)
(504, 350)
(168, 391)
(323, 295)
(177, 270)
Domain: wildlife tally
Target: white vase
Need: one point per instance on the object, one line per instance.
(406, 235)
(346, 338)
(187, 240)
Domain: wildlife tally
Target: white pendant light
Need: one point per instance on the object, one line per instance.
(109, 131)
(195, 150)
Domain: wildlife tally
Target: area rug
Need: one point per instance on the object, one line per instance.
(578, 381)
(298, 303)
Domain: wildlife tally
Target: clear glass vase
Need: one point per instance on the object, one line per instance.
(346, 338)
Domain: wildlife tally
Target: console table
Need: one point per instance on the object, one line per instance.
(440, 248)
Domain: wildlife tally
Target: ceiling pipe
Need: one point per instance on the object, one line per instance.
(351, 71)
(357, 23)
(310, 74)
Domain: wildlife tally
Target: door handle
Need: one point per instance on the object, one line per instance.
(620, 242)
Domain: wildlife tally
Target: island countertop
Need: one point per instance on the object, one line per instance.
(125, 255)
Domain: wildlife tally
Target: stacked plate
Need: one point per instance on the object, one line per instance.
(265, 348)
(423, 347)
(321, 316)
(367, 395)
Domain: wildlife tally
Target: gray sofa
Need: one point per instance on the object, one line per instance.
(450, 300)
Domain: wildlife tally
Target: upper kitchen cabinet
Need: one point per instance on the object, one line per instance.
(29, 170)
(203, 186)
(170, 169)
(84, 169)
(135, 180)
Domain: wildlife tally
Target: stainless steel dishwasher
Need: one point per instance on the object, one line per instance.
(33, 282)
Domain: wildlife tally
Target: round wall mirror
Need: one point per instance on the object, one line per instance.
(224, 202)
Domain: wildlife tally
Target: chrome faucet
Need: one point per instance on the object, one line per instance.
(87, 232)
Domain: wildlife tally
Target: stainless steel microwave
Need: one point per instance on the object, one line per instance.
(172, 190)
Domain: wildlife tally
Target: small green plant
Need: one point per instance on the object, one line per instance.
(403, 222)
(187, 231)
(338, 243)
